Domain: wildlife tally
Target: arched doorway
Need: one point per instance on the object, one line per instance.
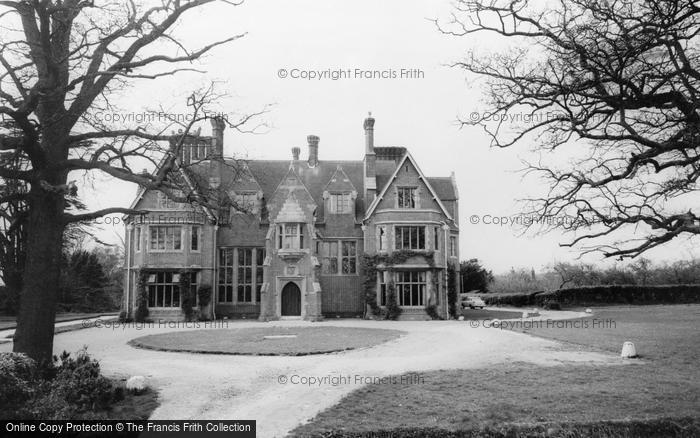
(291, 300)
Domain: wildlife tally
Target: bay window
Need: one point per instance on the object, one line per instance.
(409, 237)
(290, 236)
(410, 288)
(382, 238)
(195, 238)
(381, 275)
(166, 238)
(137, 239)
(164, 289)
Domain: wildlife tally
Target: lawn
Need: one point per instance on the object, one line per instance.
(284, 341)
(10, 322)
(665, 382)
(482, 314)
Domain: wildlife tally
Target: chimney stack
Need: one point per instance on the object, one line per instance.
(313, 149)
(217, 132)
(216, 154)
(369, 134)
(295, 153)
(370, 171)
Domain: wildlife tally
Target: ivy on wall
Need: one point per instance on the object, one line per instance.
(186, 298)
(204, 296)
(452, 290)
(393, 311)
(370, 262)
(141, 313)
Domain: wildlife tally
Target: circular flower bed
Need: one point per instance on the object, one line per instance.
(267, 341)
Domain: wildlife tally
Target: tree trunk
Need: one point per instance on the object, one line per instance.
(37, 311)
(13, 285)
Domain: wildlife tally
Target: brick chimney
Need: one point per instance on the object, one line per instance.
(217, 151)
(369, 134)
(295, 153)
(313, 149)
(370, 172)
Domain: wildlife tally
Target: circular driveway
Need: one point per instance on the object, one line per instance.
(282, 392)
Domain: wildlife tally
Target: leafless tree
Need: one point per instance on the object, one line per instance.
(60, 62)
(611, 87)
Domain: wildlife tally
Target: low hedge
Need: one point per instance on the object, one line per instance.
(662, 427)
(615, 294)
(517, 300)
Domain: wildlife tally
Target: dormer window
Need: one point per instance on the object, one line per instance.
(165, 203)
(246, 202)
(290, 236)
(340, 203)
(194, 152)
(407, 197)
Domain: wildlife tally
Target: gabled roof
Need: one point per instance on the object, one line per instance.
(444, 187)
(387, 184)
(181, 171)
(291, 172)
(269, 174)
(339, 181)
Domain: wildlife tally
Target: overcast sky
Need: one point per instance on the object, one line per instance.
(419, 113)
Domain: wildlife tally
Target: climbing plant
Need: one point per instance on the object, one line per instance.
(452, 290)
(186, 298)
(369, 267)
(370, 263)
(204, 295)
(393, 311)
(141, 313)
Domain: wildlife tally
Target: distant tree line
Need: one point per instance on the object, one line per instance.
(567, 275)
(91, 281)
(477, 278)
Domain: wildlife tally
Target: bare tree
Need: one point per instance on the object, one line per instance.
(12, 232)
(61, 61)
(581, 274)
(611, 87)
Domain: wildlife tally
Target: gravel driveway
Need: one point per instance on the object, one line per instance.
(279, 392)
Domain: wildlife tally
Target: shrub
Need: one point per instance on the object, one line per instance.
(68, 388)
(124, 317)
(393, 311)
(452, 290)
(551, 305)
(431, 310)
(204, 295)
(76, 390)
(17, 372)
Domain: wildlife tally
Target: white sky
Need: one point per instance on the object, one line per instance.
(417, 113)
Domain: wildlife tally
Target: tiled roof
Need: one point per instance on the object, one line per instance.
(443, 187)
(269, 174)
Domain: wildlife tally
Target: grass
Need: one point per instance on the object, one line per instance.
(664, 383)
(10, 322)
(251, 341)
(482, 314)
